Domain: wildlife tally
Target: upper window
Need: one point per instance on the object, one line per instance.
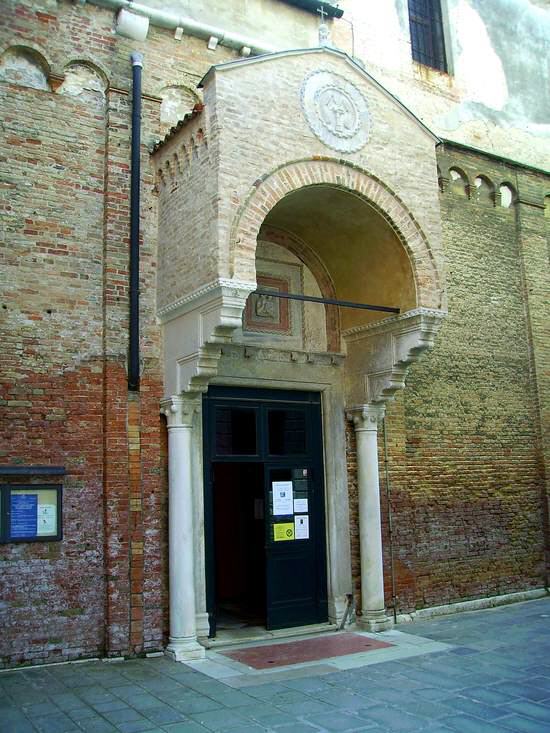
(426, 25)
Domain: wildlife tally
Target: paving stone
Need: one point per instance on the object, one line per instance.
(220, 719)
(81, 713)
(134, 726)
(531, 710)
(542, 682)
(16, 723)
(42, 708)
(106, 707)
(187, 727)
(529, 692)
(146, 701)
(431, 693)
(196, 704)
(425, 709)
(337, 722)
(309, 685)
(306, 707)
(468, 724)
(266, 691)
(472, 707)
(342, 699)
(488, 695)
(58, 723)
(231, 699)
(270, 720)
(66, 701)
(434, 679)
(164, 714)
(523, 725)
(392, 719)
(122, 715)
(96, 725)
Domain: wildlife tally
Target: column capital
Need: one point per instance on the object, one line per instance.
(366, 417)
(180, 410)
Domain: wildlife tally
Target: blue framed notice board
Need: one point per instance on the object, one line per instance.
(30, 513)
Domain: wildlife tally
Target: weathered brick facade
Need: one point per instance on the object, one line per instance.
(468, 439)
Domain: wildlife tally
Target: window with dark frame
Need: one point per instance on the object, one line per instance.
(426, 24)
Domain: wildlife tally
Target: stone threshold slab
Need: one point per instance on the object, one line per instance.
(398, 645)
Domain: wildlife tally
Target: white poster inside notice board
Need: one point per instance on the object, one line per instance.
(282, 497)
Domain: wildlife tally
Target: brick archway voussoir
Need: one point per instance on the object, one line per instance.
(272, 187)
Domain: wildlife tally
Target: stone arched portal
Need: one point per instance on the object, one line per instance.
(212, 211)
(270, 189)
(378, 354)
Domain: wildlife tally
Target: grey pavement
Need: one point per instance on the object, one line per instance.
(480, 672)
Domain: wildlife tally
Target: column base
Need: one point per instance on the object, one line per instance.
(375, 621)
(185, 649)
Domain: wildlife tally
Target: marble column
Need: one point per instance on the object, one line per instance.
(183, 643)
(365, 420)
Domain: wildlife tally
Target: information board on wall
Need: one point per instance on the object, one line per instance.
(31, 513)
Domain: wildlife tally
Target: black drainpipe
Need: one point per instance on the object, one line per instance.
(135, 179)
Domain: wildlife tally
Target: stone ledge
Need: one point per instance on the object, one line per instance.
(479, 604)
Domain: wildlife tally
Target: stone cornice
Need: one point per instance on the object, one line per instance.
(189, 302)
(394, 322)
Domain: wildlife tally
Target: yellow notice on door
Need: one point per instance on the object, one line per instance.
(283, 531)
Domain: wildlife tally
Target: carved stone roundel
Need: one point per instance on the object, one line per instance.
(336, 111)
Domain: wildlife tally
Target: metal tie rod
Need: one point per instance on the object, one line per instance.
(327, 301)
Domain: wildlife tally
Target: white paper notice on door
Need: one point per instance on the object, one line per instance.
(301, 527)
(282, 497)
(300, 505)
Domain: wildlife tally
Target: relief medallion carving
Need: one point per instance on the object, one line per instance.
(336, 111)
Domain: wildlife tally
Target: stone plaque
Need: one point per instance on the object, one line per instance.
(336, 111)
(267, 313)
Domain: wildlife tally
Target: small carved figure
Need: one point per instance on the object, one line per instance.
(264, 306)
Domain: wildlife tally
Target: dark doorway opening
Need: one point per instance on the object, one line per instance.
(239, 534)
(264, 509)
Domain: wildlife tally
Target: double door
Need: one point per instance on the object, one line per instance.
(264, 508)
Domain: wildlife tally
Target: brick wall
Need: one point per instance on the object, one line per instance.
(466, 442)
(465, 453)
(64, 321)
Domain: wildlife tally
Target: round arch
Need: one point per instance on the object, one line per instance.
(271, 188)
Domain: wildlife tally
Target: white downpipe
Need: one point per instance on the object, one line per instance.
(165, 19)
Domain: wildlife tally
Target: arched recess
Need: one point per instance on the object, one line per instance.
(272, 188)
(319, 271)
(84, 81)
(485, 190)
(25, 67)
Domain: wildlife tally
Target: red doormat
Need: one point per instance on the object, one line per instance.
(307, 650)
